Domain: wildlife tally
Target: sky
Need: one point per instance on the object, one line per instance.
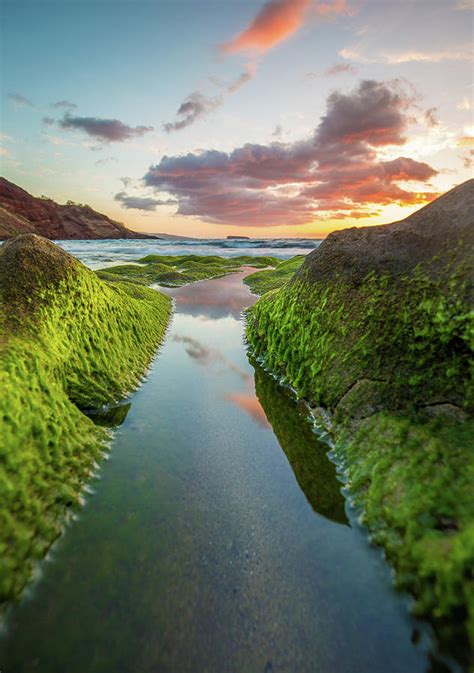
(284, 118)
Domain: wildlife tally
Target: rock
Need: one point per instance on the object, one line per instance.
(68, 342)
(444, 226)
(387, 303)
(376, 326)
(447, 410)
(362, 400)
(20, 212)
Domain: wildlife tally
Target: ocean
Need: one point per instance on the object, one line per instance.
(102, 253)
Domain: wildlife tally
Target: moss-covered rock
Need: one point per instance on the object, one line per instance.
(376, 327)
(271, 279)
(68, 342)
(177, 270)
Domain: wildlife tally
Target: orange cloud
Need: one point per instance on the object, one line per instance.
(338, 170)
(276, 21)
(466, 141)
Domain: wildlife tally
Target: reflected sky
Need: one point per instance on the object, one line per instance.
(229, 297)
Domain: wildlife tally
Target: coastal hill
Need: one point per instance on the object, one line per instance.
(22, 213)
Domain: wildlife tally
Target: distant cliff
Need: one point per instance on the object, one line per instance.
(22, 213)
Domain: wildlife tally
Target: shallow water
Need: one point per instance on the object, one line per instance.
(217, 539)
(103, 253)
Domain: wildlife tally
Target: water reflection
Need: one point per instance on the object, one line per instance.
(208, 357)
(111, 416)
(229, 297)
(249, 403)
(315, 474)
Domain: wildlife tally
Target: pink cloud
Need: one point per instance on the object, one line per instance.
(275, 22)
(337, 170)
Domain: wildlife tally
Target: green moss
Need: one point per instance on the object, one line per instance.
(257, 262)
(271, 279)
(69, 341)
(413, 479)
(399, 344)
(176, 270)
(414, 332)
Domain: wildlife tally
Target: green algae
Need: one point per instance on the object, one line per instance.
(271, 279)
(412, 477)
(69, 341)
(376, 352)
(415, 332)
(177, 270)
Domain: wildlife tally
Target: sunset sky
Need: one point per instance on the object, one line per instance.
(284, 118)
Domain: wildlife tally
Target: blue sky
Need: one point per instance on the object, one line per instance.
(257, 103)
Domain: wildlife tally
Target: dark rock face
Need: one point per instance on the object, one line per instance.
(20, 212)
(445, 225)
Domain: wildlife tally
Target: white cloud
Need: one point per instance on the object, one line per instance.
(464, 53)
(465, 104)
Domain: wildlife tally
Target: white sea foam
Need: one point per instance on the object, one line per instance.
(97, 254)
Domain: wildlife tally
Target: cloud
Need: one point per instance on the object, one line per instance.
(48, 121)
(465, 141)
(195, 106)
(465, 104)
(465, 53)
(341, 69)
(430, 117)
(468, 162)
(206, 356)
(242, 79)
(198, 105)
(141, 202)
(337, 170)
(106, 160)
(20, 101)
(373, 114)
(105, 130)
(276, 21)
(64, 104)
